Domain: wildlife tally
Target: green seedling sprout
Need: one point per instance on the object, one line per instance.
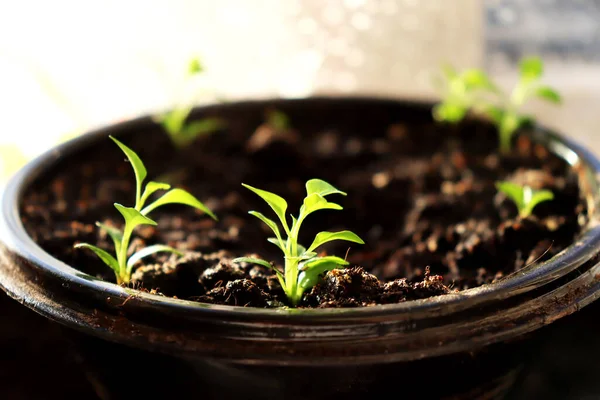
(138, 215)
(303, 267)
(175, 122)
(462, 93)
(507, 116)
(524, 197)
(473, 91)
(278, 120)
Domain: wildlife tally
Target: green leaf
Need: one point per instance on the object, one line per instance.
(195, 66)
(496, 114)
(138, 167)
(133, 217)
(146, 251)
(278, 120)
(316, 262)
(316, 202)
(449, 112)
(201, 127)
(115, 234)
(534, 197)
(258, 261)
(307, 255)
(321, 187)
(173, 122)
(178, 196)
(477, 79)
(310, 277)
(277, 203)
(324, 237)
(548, 93)
(514, 192)
(103, 255)
(270, 223)
(152, 187)
(531, 68)
(276, 242)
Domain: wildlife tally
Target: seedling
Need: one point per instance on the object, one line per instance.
(138, 215)
(175, 123)
(507, 116)
(524, 197)
(278, 120)
(303, 267)
(462, 93)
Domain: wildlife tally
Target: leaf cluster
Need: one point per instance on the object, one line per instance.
(473, 91)
(303, 266)
(138, 215)
(524, 197)
(175, 122)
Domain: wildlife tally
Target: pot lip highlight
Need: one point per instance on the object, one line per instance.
(16, 243)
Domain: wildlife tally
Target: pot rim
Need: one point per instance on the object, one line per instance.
(16, 239)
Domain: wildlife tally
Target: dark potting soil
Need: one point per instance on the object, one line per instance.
(422, 196)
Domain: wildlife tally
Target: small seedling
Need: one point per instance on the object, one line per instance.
(175, 123)
(278, 120)
(507, 116)
(462, 93)
(303, 267)
(524, 197)
(138, 215)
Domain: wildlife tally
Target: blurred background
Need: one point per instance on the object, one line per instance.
(67, 66)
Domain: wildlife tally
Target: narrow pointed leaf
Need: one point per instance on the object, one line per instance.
(178, 196)
(276, 242)
(496, 114)
(310, 277)
(536, 197)
(115, 234)
(146, 251)
(133, 217)
(315, 202)
(324, 237)
(512, 191)
(321, 187)
(277, 203)
(307, 255)
(138, 166)
(258, 261)
(195, 66)
(449, 112)
(477, 79)
(173, 122)
(549, 94)
(205, 126)
(102, 254)
(152, 187)
(531, 68)
(315, 263)
(269, 222)
(278, 120)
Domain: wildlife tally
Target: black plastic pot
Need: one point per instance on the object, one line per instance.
(467, 345)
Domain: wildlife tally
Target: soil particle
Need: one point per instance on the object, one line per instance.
(240, 292)
(349, 287)
(179, 275)
(220, 274)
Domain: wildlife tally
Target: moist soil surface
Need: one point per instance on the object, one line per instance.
(422, 195)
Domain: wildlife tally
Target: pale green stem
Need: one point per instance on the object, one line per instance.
(122, 256)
